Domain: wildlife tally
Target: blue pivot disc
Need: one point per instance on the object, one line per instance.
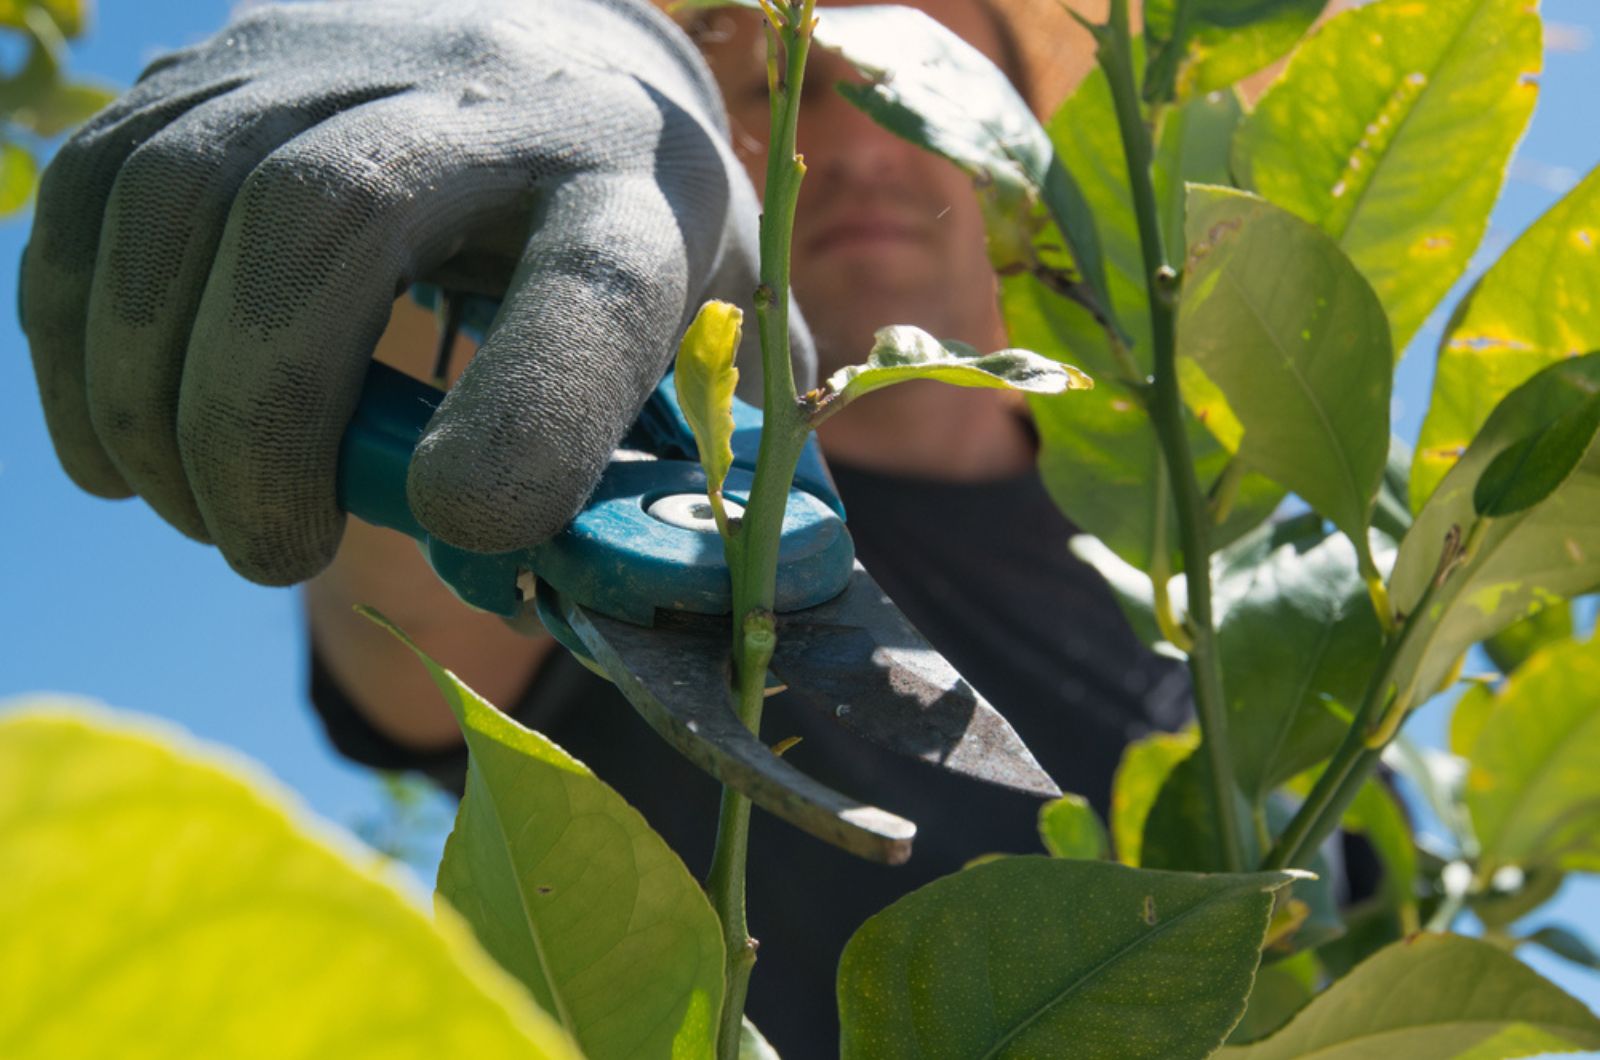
(620, 560)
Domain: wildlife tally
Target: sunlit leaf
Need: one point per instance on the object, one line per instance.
(1139, 778)
(1296, 342)
(929, 86)
(19, 175)
(570, 890)
(1391, 129)
(1195, 146)
(1517, 564)
(1532, 785)
(1538, 304)
(1433, 996)
(69, 16)
(165, 899)
(1230, 39)
(1035, 956)
(902, 353)
(1099, 455)
(1070, 828)
(1298, 640)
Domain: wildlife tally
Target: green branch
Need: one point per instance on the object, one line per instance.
(752, 544)
(1115, 55)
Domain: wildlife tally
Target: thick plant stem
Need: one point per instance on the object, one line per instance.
(752, 548)
(1166, 414)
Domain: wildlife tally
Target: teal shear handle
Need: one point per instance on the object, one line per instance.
(642, 543)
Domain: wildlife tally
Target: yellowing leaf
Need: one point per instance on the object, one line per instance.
(1540, 303)
(162, 900)
(706, 377)
(1390, 129)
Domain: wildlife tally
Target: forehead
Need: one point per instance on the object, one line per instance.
(733, 34)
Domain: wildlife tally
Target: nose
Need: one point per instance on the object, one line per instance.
(837, 139)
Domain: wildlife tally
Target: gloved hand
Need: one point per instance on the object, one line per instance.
(215, 256)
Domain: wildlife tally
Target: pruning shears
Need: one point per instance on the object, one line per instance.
(636, 586)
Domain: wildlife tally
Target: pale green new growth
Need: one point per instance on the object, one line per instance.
(1069, 828)
(163, 900)
(903, 353)
(706, 377)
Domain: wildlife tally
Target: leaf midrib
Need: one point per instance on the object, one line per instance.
(1341, 453)
(1092, 973)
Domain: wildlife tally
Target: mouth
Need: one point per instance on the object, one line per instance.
(863, 234)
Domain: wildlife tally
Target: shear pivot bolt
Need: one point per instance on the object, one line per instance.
(691, 511)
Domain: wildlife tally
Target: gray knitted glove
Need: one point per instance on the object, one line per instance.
(215, 255)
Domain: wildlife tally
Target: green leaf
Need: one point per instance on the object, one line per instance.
(1297, 637)
(64, 106)
(1070, 828)
(164, 897)
(1099, 454)
(1139, 779)
(902, 353)
(753, 1045)
(1296, 342)
(1533, 467)
(1532, 786)
(1467, 718)
(1033, 956)
(1512, 646)
(1566, 944)
(705, 380)
(70, 16)
(19, 175)
(1434, 996)
(570, 890)
(1517, 564)
(928, 86)
(1231, 39)
(1195, 146)
(1281, 988)
(1401, 164)
(1538, 304)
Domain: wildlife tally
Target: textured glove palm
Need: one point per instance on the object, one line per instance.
(214, 258)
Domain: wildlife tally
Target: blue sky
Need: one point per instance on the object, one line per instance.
(102, 599)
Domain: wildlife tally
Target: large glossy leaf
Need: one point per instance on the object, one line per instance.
(1532, 784)
(1391, 130)
(1298, 639)
(1298, 346)
(164, 899)
(1099, 454)
(1139, 778)
(570, 890)
(1229, 39)
(1539, 303)
(1533, 467)
(930, 87)
(1517, 564)
(1434, 996)
(1281, 988)
(1035, 956)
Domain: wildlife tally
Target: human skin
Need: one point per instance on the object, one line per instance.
(886, 234)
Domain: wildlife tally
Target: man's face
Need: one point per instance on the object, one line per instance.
(885, 233)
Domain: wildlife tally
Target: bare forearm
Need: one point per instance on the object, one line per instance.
(385, 570)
